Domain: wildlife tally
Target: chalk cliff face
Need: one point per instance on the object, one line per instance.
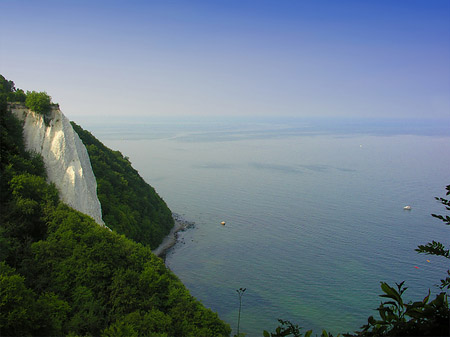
(65, 158)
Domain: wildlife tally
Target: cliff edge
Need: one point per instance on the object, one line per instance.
(65, 157)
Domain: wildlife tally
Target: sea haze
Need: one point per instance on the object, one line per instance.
(313, 209)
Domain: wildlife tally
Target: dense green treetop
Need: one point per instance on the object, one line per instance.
(38, 102)
(6, 86)
(130, 206)
(9, 93)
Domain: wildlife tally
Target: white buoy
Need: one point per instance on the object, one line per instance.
(407, 207)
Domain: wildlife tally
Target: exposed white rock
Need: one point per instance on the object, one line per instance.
(65, 158)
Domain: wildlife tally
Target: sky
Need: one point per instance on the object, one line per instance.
(215, 58)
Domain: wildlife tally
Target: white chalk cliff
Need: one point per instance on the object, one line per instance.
(65, 158)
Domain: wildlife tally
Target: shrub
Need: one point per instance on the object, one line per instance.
(39, 102)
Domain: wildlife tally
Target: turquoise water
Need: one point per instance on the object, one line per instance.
(314, 213)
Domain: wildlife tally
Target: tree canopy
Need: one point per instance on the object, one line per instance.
(9, 93)
(38, 102)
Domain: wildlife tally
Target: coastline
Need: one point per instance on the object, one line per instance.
(180, 224)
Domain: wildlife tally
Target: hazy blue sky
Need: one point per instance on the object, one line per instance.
(232, 57)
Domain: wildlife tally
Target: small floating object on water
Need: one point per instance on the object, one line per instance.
(416, 267)
(223, 223)
(428, 260)
(407, 208)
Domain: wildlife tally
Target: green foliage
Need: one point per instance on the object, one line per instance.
(421, 318)
(287, 328)
(16, 306)
(446, 203)
(22, 217)
(10, 138)
(9, 93)
(18, 96)
(23, 313)
(38, 102)
(62, 274)
(129, 205)
(6, 86)
(437, 248)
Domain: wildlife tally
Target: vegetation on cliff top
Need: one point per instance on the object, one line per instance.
(38, 102)
(9, 93)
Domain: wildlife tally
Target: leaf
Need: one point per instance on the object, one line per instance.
(391, 293)
(415, 313)
(434, 248)
(324, 333)
(400, 288)
(266, 334)
(439, 300)
(308, 333)
(388, 290)
(389, 302)
(400, 285)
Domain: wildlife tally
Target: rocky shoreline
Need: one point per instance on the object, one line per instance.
(170, 240)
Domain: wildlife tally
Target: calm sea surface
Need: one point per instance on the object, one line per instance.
(314, 212)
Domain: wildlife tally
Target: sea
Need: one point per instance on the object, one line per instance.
(313, 210)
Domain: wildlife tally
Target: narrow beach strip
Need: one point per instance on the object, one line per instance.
(170, 240)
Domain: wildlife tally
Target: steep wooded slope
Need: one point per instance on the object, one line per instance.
(130, 206)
